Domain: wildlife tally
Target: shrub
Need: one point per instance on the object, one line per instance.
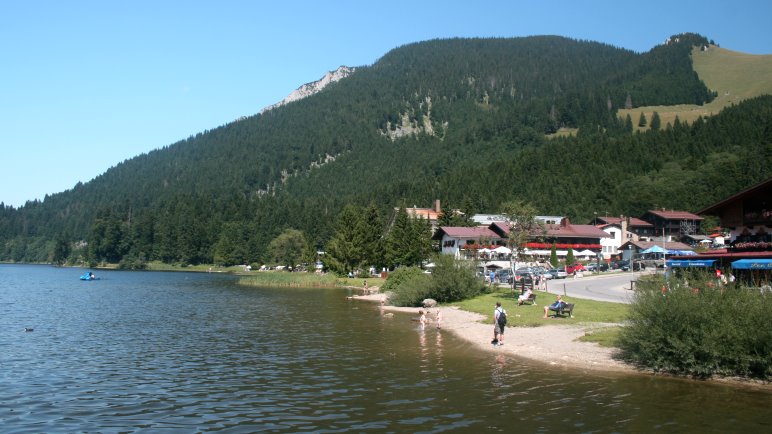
(454, 280)
(451, 280)
(398, 276)
(699, 329)
(411, 291)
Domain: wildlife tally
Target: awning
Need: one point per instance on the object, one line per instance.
(674, 263)
(653, 249)
(752, 264)
(681, 252)
(585, 252)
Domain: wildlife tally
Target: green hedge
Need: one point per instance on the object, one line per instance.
(699, 329)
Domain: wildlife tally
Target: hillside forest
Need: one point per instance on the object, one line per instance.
(470, 122)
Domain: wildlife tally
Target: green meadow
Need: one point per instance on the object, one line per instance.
(734, 76)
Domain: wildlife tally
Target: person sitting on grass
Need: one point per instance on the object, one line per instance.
(554, 306)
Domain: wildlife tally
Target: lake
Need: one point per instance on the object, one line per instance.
(195, 352)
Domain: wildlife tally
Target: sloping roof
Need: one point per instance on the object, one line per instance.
(764, 186)
(634, 221)
(674, 215)
(424, 213)
(608, 225)
(564, 230)
(669, 245)
(465, 232)
(576, 231)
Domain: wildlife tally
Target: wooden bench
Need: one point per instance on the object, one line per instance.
(530, 300)
(567, 308)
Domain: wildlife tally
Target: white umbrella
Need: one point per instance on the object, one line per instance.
(502, 249)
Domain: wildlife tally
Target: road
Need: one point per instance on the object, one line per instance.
(613, 287)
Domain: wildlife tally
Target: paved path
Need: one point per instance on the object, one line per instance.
(613, 287)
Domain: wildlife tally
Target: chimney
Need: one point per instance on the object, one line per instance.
(624, 221)
(437, 205)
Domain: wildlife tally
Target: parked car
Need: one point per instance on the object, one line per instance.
(570, 269)
(624, 265)
(558, 273)
(504, 276)
(637, 266)
(616, 265)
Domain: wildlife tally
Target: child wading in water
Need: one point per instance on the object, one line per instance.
(422, 318)
(439, 317)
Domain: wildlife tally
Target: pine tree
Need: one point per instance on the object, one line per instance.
(570, 259)
(642, 121)
(554, 256)
(61, 250)
(343, 254)
(628, 123)
(370, 237)
(655, 122)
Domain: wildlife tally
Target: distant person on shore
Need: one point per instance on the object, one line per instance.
(556, 305)
(498, 327)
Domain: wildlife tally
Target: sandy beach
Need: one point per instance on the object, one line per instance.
(552, 344)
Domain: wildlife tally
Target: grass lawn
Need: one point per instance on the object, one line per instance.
(603, 336)
(275, 278)
(305, 280)
(585, 311)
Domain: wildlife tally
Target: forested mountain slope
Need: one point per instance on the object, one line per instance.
(462, 120)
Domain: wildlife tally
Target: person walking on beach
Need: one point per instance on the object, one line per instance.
(498, 327)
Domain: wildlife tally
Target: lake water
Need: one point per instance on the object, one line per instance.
(188, 352)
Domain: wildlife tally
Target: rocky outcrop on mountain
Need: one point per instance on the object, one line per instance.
(309, 89)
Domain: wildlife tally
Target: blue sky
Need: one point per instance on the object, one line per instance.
(85, 85)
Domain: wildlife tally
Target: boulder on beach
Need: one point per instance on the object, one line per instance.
(429, 302)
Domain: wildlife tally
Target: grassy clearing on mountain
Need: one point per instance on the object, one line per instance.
(734, 76)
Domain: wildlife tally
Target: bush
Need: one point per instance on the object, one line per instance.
(411, 291)
(451, 280)
(454, 280)
(700, 330)
(398, 276)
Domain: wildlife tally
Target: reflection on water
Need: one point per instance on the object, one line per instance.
(189, 352)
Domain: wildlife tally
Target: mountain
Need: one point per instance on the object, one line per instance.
(466, 121)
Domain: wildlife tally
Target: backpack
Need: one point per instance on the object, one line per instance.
(502, 318)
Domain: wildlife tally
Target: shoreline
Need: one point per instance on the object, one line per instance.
(552, 345)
